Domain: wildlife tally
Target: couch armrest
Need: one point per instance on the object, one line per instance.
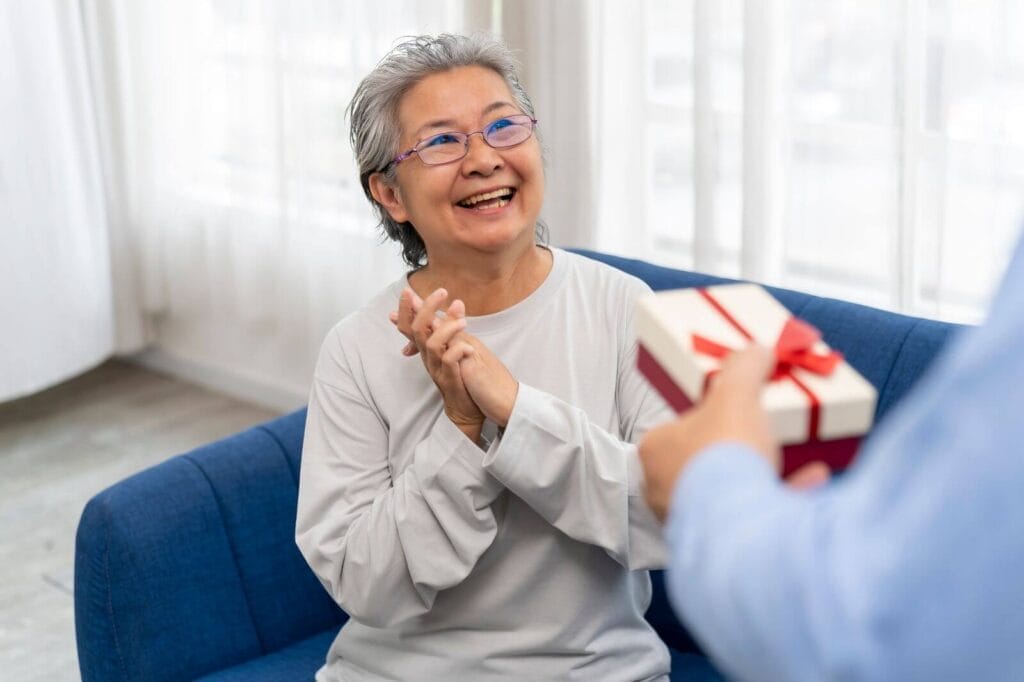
(191, 567)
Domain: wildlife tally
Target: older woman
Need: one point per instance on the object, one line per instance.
(474, 502)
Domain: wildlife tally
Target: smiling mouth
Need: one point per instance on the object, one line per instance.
(498, 198)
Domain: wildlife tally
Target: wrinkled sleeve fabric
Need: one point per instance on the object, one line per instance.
(581, 478)
(578, 477)
(902, 570)
(383, 545)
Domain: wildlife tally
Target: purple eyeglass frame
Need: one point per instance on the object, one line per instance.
(415, 149)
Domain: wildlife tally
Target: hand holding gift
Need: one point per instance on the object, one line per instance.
(731, 411)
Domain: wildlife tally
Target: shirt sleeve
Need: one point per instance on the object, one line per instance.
(899, 570)
(383, 545)
(581, 479)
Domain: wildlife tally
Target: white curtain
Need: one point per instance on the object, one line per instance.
(178, 174)
(254, 235)
(867, 150)
(61, 304)
(552, 42)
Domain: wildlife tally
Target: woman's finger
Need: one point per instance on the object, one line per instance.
(405, 313)
(444, 328)
(444, 332)
(415, 302)
(457, 351)
(423, 322)
(457, 309)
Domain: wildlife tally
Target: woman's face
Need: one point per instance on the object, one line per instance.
(434, 198)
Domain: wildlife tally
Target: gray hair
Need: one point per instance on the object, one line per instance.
(373, 111)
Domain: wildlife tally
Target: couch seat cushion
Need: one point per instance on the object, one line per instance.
(297, 662)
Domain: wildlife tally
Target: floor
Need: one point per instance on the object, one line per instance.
(57, 449)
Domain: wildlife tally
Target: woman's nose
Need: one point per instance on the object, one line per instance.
(480, 157)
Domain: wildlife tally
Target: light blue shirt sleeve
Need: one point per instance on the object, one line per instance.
(910, 567)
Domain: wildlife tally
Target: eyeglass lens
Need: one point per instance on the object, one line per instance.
(447, 147)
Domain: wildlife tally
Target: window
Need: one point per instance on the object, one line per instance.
(867, 150)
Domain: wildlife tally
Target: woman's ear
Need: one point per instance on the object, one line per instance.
(388, 196)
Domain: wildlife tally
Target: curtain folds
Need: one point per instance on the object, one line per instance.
(254, 234)
(870, 151)
(553, 43)
(62, 300)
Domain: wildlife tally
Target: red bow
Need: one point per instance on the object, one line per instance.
(793, 348)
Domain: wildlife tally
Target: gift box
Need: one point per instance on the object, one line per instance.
(819, 406)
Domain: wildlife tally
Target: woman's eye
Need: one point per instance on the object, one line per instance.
(499, 124)
(443, 138)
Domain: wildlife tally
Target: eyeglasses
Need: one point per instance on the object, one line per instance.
(442, 148)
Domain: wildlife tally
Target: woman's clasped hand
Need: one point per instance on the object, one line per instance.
(474, 384)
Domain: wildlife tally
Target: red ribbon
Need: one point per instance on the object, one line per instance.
(793, 348)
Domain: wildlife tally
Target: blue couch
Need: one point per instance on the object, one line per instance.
(189, 570)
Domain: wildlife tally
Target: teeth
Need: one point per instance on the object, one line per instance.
(477, 198)
(501, 203)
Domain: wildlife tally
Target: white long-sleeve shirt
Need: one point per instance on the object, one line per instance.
(524, 561)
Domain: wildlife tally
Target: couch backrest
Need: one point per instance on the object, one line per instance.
(892, 352)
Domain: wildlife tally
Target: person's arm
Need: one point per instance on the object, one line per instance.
(905, 569)
(382, 545)
(583, 480)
